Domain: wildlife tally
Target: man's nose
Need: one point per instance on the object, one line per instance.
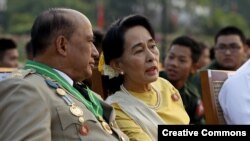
(95, 52)
(228, 51)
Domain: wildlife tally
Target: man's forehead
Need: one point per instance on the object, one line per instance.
(229, 39)
(180, 50)
(11, 51)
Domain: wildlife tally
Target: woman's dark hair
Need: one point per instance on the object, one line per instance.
(98, 38)
(113, 42)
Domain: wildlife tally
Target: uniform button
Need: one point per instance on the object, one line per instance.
(81, 119)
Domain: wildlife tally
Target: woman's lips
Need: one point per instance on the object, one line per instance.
(152, 70)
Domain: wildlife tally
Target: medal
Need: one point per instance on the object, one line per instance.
(75, 110)
(105, 126)
(60, 92)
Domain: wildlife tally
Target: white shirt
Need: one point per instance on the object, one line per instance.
(65, 76)
(234, 96)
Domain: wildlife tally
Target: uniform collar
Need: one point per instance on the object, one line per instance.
(65, 76)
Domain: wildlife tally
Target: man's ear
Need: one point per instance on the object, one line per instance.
(245, 48)
(61, 45)
(194, 68)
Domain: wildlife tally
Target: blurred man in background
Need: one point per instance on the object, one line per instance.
(205, 56)
(229, 50)
(8, 53)
(181, 63)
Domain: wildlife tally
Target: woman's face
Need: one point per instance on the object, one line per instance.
(140, 59)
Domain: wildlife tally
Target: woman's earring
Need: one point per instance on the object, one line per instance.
(122, 73)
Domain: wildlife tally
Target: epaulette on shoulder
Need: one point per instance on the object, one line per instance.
(21, 73)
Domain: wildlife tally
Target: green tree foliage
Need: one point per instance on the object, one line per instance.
(220, 18)
(115, 9)
(20, 14)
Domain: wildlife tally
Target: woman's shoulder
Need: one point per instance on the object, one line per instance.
(117, 97)
(162, 83)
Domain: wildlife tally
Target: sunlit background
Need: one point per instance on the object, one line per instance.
(200, 19)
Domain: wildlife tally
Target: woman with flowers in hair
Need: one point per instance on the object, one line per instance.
(142, 100)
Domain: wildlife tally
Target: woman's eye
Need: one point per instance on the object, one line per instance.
(138, 51)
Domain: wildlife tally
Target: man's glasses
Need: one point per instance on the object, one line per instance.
(231, 47)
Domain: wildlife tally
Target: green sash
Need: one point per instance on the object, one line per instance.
(94, 106)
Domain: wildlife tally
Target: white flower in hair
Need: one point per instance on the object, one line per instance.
(109, 71)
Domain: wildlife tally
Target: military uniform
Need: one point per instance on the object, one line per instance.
(214, 65)
(36, 107)
(193, 104)
(191, 100)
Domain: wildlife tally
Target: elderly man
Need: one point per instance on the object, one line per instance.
(40, 102)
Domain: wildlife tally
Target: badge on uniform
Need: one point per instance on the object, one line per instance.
(51, 83)
(75, 110)
(175, 97)
(122, 138)
(105, 125)
(199, 109)
(60, 92)
(84, 130)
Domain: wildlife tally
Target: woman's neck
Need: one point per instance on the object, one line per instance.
(137, 87)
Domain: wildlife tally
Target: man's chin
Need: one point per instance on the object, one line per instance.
(173, 79)
(229, 67)
(85, 76)
(89, 75)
